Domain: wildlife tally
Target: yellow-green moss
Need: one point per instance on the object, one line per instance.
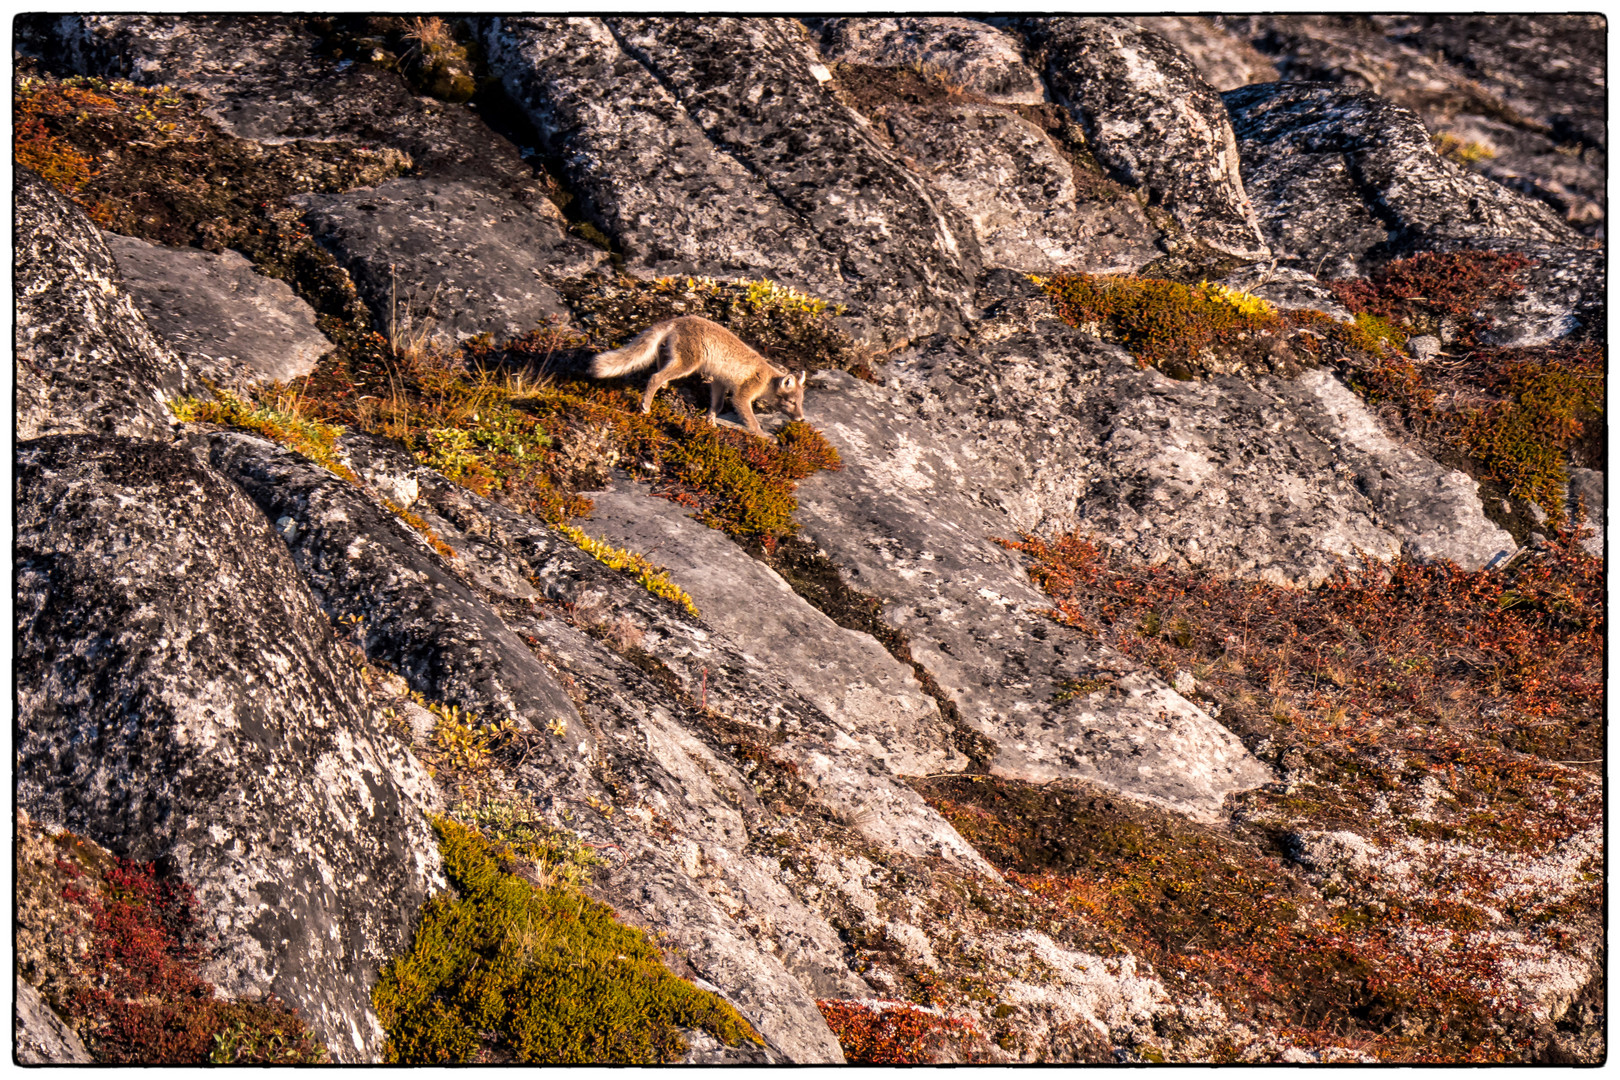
(547, 976)
(311, 438)
(1182, 329)
(637, 567)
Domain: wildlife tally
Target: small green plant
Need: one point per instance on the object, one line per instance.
(311, 438)
(651, 578)
(543, 975)
(464, 742)
(558, 857)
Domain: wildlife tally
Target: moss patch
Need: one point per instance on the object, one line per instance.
(145, 162)
(894, 1032)
(546, 976)
(1184, 330)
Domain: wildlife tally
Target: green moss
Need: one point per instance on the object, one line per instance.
(311, 438)
(547, 976)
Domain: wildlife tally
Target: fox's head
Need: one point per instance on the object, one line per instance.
(790, 392)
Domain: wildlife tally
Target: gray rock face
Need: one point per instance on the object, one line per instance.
(226, 321)
(268, 82)
(707, 146)
(1342, 177)
(974, 55)
(417, 618)
(1224, 60)
(687, 864)
(755, 87)
(1152, 119)
(1529, 115)
(182, 699)
(1587, 488)
(86, 361)
(1265, 477)
(848, 675)
(1019, 194)
(438, 260)
(40, 1037)
(906, 520)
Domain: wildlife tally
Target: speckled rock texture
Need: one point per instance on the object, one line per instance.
(972, 54)
(1019, 193)
(86, 360)
(182, 700)
(906, 519)
(1224, 60)
(442, 260)
(1341, 175)
(1152, 119)
(228, 322)
(414, 615)
(226, 652)
(710, 146)
(1516, 98)
(39, 1036)
(1264, 477)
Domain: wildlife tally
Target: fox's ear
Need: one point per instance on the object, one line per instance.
(802, 376)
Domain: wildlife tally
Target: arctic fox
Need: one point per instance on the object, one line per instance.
(691, 344)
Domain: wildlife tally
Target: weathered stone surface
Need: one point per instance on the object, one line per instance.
(268, 81)
(1529, 115)
(412, 614)
(225, 320)
(441, 260)
(1342, 177)
(1224, 60)
(40, 1037)
(181, 699)
(1019, 193)
(644, 170)
(972, 54)
(906, 519)
(1587, 488)
(755, 87)
(86, 360)
(706, 146)
(1152, 119)
(1551, 69)
(847, 675)
(1264, 477)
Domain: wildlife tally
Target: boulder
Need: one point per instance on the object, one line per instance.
(755, 86)
(410, 611)
(1342, 178)
(1152, 119)
(706, 146)
(86, 359)
(1225, 60)
(226, 321)
(1263, 477)
(40, 1037)
(910, 519)
(971, 54)
(181, 699)
(1529, 116)
(1019, 193)
(442, 260)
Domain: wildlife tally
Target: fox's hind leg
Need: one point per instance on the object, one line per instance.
(717, 395)
(672, 369)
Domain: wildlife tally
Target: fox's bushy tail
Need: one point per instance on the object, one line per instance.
(640, 353)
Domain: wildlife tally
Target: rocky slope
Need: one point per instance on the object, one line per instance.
(898, 735)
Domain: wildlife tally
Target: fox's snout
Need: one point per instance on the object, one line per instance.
(790, 392)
